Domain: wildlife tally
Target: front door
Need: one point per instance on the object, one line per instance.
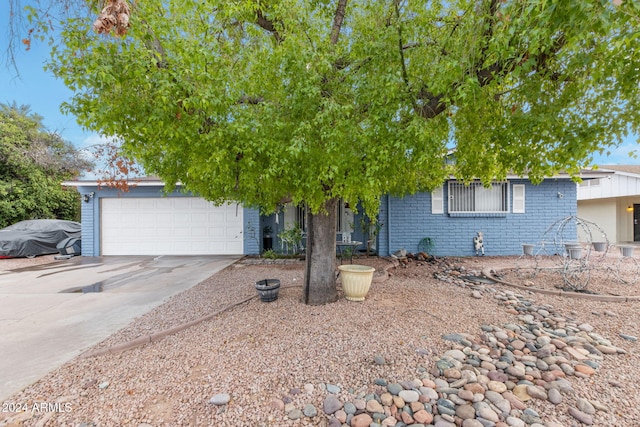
(636, 223)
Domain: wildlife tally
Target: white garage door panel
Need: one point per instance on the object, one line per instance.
(170, 226)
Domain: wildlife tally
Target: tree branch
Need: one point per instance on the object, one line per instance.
(488, 33)
(405, 76)
(432, 104)
(337, 21)
(268, 24)
(411, 45)
(251, 100)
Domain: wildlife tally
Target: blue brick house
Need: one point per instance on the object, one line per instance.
(508, 214)
(146, 221)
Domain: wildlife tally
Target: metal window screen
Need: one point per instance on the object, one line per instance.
(474, 197)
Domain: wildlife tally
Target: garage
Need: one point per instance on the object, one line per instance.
(169, 226)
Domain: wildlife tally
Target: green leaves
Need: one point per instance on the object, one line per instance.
(249, 102)
(33, 164)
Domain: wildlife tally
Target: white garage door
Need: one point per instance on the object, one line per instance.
(169, 226)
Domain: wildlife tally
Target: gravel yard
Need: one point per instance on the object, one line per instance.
(284, 363)
(18, 263)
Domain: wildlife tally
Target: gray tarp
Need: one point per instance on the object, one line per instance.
(36, 237)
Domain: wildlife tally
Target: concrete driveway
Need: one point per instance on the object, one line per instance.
(46, 319)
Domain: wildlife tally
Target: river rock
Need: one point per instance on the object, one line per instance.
(515, 422)
(361, 420)
(536, 392)
(581, 416)
(386, 399)
(497, 386)
(379, 360)
(466, 412)
(331, 404)
(220, 399)
(605, 349)
(520, 391)
(423, 417)
(309, 410)
(374, 406)
(455, 354)
(295, 414)
(340, 415)
(488, 414)
(585, 406)
(394, 388)
(584, 369)
(409, 396)
(554, 396)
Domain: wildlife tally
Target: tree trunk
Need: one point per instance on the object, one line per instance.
(320, 273)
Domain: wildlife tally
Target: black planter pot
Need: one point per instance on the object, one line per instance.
(268, 289)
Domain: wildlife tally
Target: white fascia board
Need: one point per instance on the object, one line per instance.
(131, 183)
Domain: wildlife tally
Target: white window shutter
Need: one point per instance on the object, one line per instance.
(437, 200)
(518, 198)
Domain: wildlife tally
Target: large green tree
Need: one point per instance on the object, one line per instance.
(310, 101)
(33, 164)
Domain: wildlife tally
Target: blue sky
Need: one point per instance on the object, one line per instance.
(38, 89)
(44, 94)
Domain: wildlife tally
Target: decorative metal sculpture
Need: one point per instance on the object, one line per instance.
(576, 247)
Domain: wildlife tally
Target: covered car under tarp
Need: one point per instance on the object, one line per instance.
(36, 237)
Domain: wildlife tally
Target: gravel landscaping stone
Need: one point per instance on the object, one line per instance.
(509, 358)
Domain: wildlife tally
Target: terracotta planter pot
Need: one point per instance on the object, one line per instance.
(356, 280)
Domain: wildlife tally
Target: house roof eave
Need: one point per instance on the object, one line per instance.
(584, 174)
(134, 182)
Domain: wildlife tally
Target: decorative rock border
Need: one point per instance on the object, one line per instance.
(247, 260)
(484, 380)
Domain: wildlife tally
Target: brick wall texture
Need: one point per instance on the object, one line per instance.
(406, 221)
